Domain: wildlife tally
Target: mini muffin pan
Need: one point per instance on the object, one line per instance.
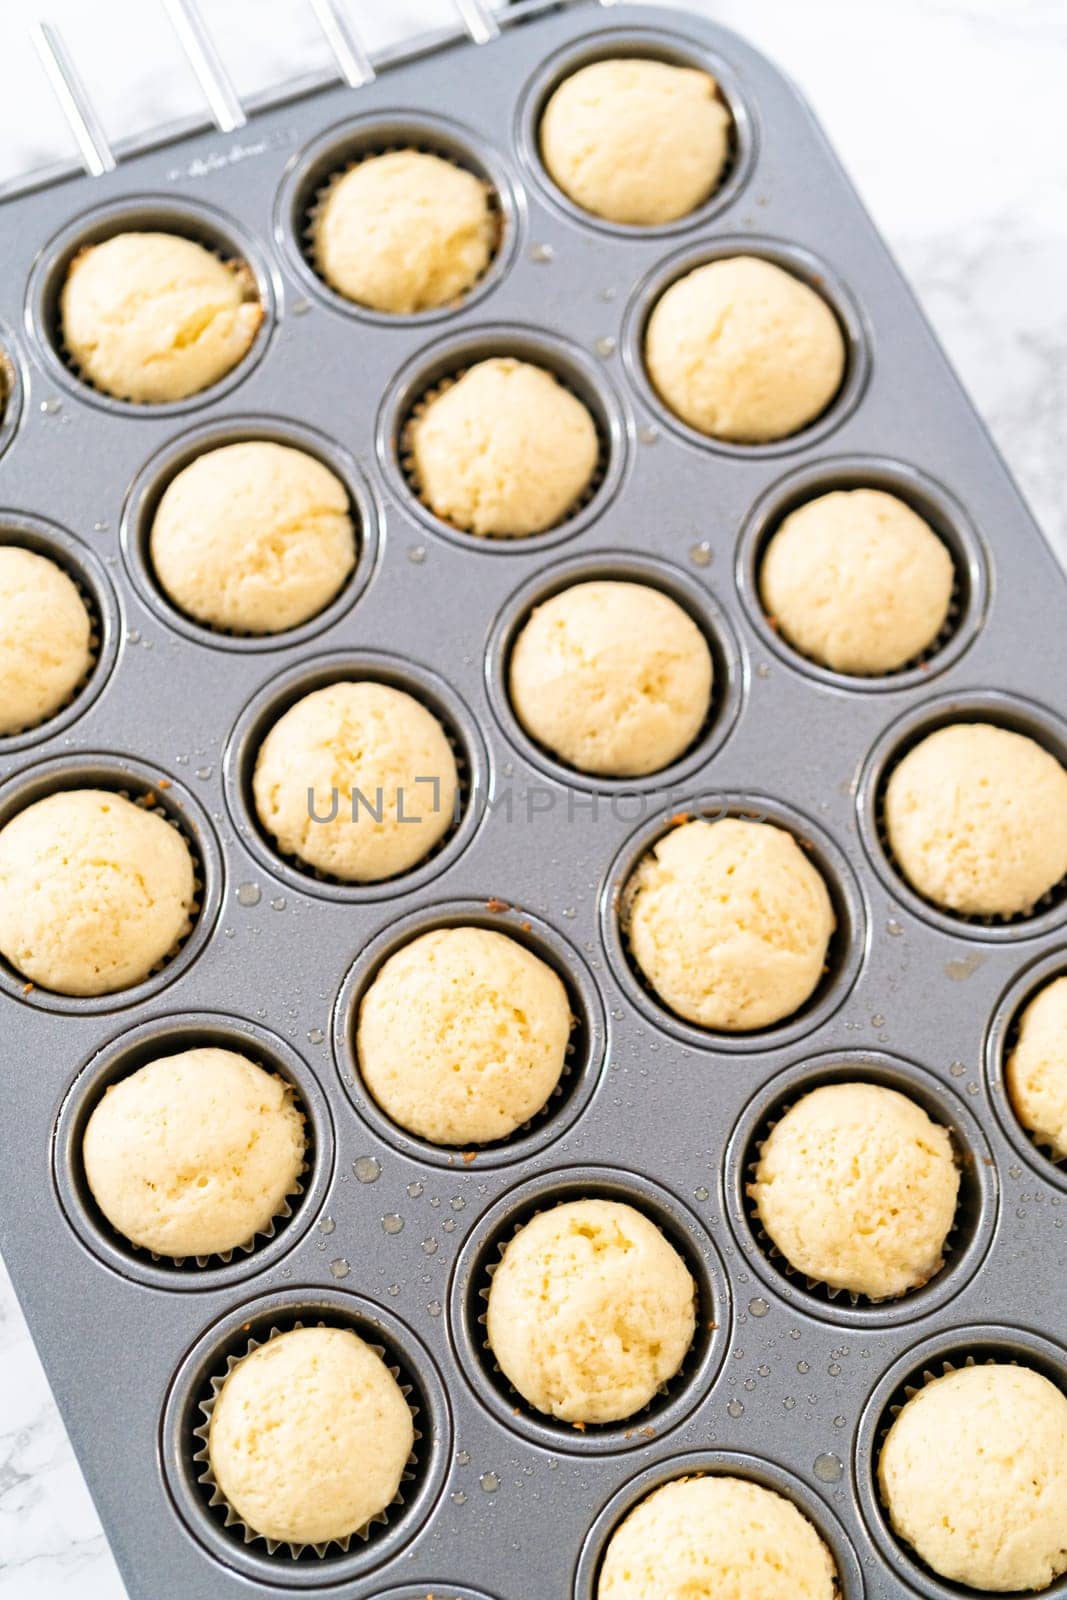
(786, 1383)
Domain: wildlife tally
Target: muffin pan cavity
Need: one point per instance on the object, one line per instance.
(947, 1351)
(158, 793)
(585, 1050)
(166, 1036)
(976, 1207)
(949, 521)
(151, 483)
(11, 386)
(218, 233)
(94, 587)
(1011, 712)
(844, 955)
(430, 374)
(261, 714)
(620, 566)
(481, 1255)
(809, 270)
(727, 1463)
(188, 1410)
(312, 173)
(652, 44)
(1001, 1039)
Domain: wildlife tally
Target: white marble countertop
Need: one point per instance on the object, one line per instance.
(947, 113)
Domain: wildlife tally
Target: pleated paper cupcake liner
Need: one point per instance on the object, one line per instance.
(817, 1286)
(1049, 901)
(406, 456)
(624, 917)
(576, 1050)
(308, 240)
(464, 797)
(1045, 1147)
(645, 1416)
(96, 628)
(249, 294)
(231, 1519)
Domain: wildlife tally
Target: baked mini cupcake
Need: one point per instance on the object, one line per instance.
(505, 451)
(357, 780)
(310, 1436)
(591, 1311)
(195, 1154)
(976, 819)
(403, 232)
(857, 1187)
(95, 891)
(973, 1474)
(462, 1036)
(857, 581)
(717, 1536)
(744, 351)
(253, 538)
(635, 140)
(45, 639)
(729, 922)
(154, 317)
(1036, 1069)
(613, 678)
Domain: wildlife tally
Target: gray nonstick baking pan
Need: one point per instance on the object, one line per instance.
(392, 1236)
